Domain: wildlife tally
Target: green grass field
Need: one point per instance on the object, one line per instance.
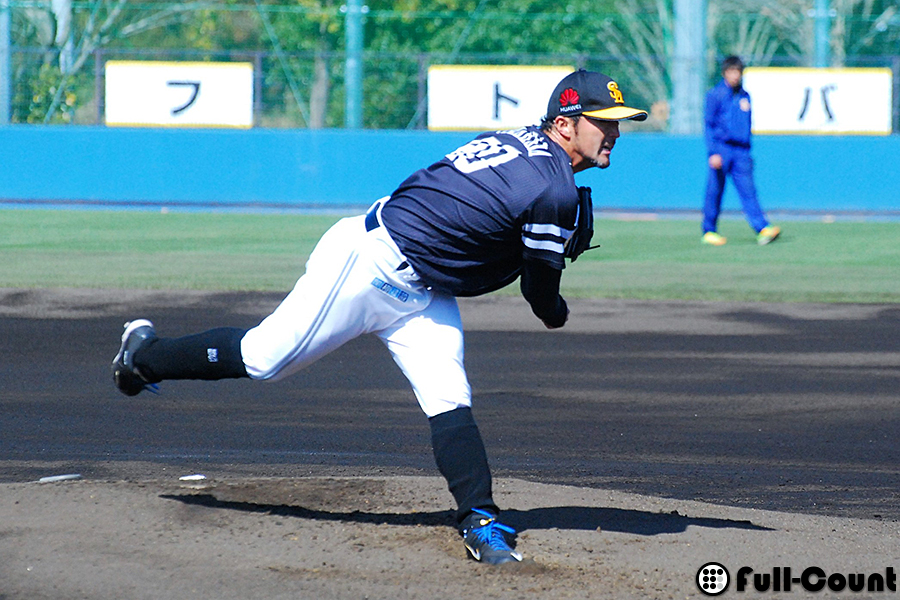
(811, 262)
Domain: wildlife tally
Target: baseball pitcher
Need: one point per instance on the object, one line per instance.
(502, 207)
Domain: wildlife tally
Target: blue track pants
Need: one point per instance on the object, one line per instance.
(736, 162)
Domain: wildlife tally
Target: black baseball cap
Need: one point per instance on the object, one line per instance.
(593, 95)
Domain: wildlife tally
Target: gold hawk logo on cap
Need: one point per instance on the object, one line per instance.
(615, 93)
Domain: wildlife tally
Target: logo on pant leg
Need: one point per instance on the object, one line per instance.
(390, 290)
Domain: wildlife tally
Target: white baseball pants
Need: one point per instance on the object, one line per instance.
(358, 282)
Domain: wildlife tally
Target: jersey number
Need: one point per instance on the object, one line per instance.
(482, 154)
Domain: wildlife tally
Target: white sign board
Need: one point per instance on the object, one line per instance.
(820, 101)
(179, 94)
(482, 97)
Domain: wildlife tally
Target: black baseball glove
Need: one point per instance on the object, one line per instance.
(584, 226)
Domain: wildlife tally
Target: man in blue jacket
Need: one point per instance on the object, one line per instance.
(728, 147)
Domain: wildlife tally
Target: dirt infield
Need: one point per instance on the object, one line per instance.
(636, 445)
(370, 537)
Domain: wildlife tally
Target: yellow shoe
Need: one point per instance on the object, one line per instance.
(713, 239)
(768, 234)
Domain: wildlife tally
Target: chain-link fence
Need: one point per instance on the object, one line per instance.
(285, 86)
(57, 58)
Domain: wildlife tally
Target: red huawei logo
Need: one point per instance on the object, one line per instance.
(568, 97)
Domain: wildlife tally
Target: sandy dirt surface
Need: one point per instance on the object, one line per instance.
(376, 523)
(371, 537)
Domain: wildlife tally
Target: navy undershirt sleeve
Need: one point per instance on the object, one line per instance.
(540, 287)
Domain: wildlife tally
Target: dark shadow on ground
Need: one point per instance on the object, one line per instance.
(587, 518)
(776, 407)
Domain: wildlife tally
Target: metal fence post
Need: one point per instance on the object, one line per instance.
(689, 67)
(822, 16)
(895, 67)
(99, 88)
(257, 87)
(353, 67)
(422, 90)
(5, 64)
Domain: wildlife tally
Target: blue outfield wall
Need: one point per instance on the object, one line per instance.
(335, 168)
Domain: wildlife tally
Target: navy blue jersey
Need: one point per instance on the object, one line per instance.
(467, 222)
(727, 118)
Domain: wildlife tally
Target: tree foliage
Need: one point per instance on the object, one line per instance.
(299, 45)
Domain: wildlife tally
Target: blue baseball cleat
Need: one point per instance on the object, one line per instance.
(485, 539)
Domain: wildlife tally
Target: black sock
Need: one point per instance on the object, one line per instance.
(462, 460)
(213, 354)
